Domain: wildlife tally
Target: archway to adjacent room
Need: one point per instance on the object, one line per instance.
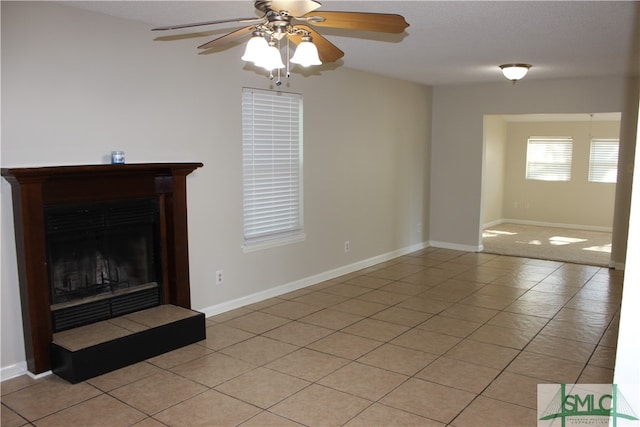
(534, 203)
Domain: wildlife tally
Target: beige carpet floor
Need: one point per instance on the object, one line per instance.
(550, 243)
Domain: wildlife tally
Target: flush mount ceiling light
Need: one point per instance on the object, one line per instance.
(514, 72)
(285, 21)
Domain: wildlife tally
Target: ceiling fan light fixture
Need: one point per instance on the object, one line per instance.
(515, 72)
(284, 21)
(271, 59)
(306, 53)
(257, 47)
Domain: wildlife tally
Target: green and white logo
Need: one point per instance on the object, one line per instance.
(586, 405)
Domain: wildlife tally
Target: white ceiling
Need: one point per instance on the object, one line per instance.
(448, 42)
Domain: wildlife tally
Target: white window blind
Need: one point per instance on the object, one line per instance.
(272, 165)
(603, 160)
(549, 158)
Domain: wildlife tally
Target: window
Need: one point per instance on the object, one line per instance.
(549, 158)
(272, 167)
(603, 160)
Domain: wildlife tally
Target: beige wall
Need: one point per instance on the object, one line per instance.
(76, 85)
(577, 202)
(494, 159)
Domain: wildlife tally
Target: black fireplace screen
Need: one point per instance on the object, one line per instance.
(104, 260)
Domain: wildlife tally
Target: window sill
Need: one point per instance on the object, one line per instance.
(269, 243)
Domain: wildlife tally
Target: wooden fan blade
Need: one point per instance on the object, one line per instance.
(295, 7)
(327, 51)
(380, 22)
(184, 36)
(228, 38)
(199, 24)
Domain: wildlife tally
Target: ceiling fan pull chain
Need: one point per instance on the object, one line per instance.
(279, 81)
(288, 58)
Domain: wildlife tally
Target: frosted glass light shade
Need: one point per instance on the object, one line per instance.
(256, 49)
(515, 72)
(306, 54)
(271, 60)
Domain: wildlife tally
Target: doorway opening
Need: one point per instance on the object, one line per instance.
(568, 219)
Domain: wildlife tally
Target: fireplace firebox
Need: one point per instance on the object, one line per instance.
(104, 260)
(96, 242)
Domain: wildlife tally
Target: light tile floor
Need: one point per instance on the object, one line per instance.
(434, 338)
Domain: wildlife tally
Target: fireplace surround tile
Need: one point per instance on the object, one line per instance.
(126, 323)
(108, 330)
(158, 316)
(89, 335)
(103, 347)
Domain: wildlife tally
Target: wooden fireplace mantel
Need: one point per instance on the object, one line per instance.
(34, 189)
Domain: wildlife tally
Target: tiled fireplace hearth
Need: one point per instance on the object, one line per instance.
(103, 265)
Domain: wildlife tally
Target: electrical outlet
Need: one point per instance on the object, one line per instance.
(347, 246)
(219, 277)
(419, 227)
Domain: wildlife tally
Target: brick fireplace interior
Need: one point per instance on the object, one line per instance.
(94, 243)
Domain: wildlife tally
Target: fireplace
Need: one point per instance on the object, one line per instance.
(104, 260)
(96, 242)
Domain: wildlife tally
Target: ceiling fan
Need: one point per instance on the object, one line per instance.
(292, 20)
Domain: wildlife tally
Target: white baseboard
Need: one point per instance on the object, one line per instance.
(494, 223)
(308, 281)
(617, 265)
(20, 368)
(548, 224)
(12, 371)
(456, 246)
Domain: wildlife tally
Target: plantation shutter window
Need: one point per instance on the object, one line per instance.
(549, 158)
(603, 160)
(272, 165)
